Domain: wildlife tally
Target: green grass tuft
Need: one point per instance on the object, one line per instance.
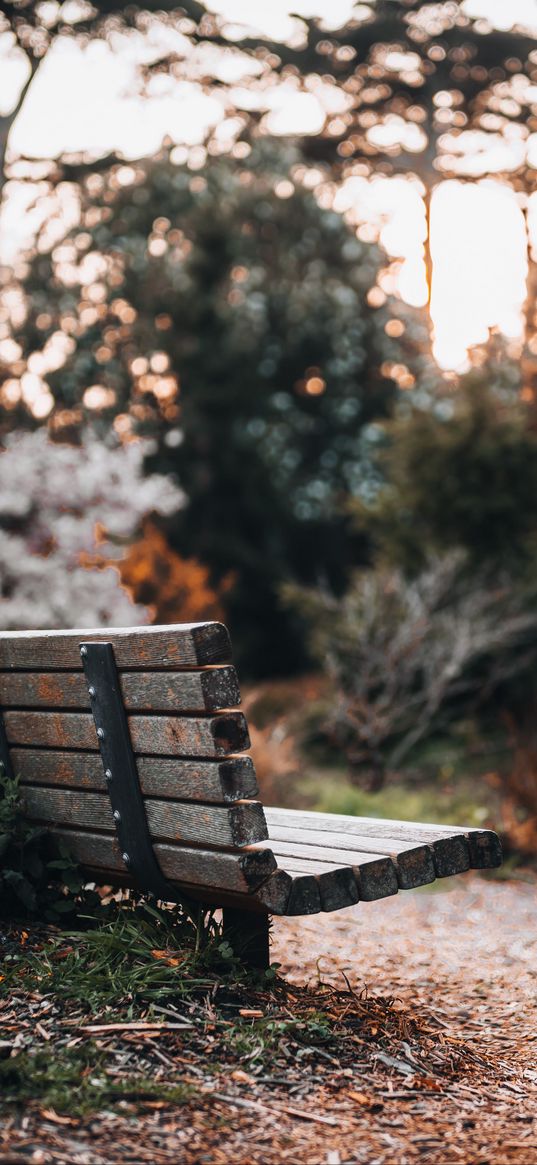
(77, 1082)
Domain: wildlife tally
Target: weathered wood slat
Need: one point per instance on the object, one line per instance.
(375, 874)
(215, 781)
(304, 896)
(192, 736)
(413, 862)
(483, 844)
(290, 894)
(240, 873)
(364, 826)
(485, 849)
(274, 893)
(210, 825)
(449, 855)
(211, 690)
(337, 884)
(182, 645)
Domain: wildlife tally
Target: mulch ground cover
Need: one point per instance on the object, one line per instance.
(419, 1044)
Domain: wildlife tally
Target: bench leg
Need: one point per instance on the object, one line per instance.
(248, 935)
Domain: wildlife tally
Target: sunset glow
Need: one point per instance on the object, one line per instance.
(478, 231)
(478, 245)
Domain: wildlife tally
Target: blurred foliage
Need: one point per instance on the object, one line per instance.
(442, 629)
(225, 315)
(465, 800)
(177, 589)
(434, 66)
(67, 515)
(34, 29)
(462, 474)
(409, 656)
(37, 876)
(408, 79)
(223, 309)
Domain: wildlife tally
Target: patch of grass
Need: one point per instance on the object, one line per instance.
(77, 1082)
(450, 780)
(270, 1034)
(143, 956)
(215, 1032)
(332, 792)
(144, 965)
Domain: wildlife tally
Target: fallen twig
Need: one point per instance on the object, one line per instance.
(100, 1028)
(278, 1110)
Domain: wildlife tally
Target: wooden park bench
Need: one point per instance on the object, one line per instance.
(128, 745)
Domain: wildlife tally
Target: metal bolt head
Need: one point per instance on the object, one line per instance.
(126, 859)
(100, 733)
(92, 692)
(117, 815)
(83, 651)
(108, 774)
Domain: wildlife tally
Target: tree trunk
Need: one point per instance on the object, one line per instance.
(8, 120)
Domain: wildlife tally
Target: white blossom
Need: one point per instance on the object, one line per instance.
(60, 507)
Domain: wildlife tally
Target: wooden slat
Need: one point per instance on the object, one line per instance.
(163, 735)
(413, 862)
(483, 845)
(374, 874)
(304, 896)
(485, 849)
(210, 825)
(274, 893)
(290, 894)
(275, 889)
(337, 885)
(239, 873)
(215, 781)
(211, 690)
(454, 849)
(182, 645)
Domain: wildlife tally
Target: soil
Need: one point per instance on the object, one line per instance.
(435, 1000)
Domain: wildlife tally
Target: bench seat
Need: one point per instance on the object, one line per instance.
(176, 739)
(335, 860)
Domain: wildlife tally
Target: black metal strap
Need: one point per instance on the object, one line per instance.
(5, 758)
(120, 770)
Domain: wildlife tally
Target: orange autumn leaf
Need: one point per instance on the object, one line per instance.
(178, 589)
(170, 960)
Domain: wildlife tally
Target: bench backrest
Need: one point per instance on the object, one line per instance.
(180, 694)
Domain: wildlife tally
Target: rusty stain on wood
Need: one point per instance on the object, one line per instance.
(239, 872)
(182, 645)
(217, 781)
(232, 826)
(210, 690)
(162, 735)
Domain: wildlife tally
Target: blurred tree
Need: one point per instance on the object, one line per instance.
(431, 66)
(29, 30)
(461, 475)
(225, 315)
(443, 627)
(404, 86)
(431, 89)
(66, 515)
(408, 657)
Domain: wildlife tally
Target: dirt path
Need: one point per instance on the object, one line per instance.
(438, 1064)
(465, 954)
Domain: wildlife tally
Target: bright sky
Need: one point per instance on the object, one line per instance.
(87, 99)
